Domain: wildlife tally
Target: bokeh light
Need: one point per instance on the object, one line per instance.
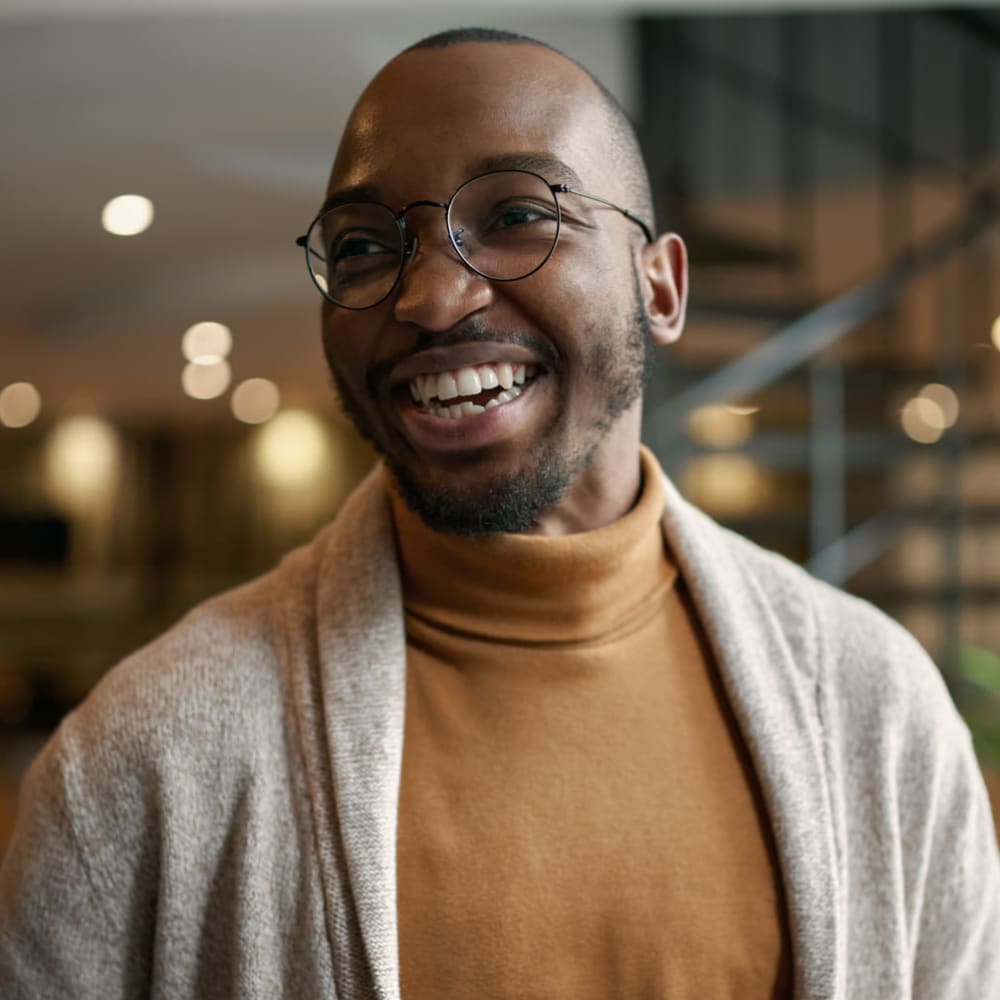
(82, 460)
(20, 404)
(996, 333)
(720, 426)
(726, 485)
(292, 450)
(205, 343)
(255, 401)
(922, 420)
(127, 215)
(205, 381)
(944, 398)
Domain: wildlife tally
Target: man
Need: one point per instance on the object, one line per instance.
(520, 722)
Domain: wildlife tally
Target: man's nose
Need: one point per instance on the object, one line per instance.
(437, 291)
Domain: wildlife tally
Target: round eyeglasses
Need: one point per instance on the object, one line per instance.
(504, 225)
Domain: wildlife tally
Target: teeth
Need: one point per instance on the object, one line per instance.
(458, 411)
(469, 383)
(434, 389)
(426, 386)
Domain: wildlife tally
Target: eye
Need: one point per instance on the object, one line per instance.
(352, 246)
(515, 214)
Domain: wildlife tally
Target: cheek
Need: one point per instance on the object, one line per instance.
(591, 266)
(340, 348)
(576, 298)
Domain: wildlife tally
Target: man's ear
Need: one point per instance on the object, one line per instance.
(663, 274)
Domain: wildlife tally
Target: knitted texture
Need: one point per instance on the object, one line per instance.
(218, 818)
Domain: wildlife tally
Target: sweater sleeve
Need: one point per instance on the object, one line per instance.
(955, 877)
(923, 869)
(65, 931)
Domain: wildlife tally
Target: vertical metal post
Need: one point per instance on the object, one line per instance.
(798, 164)
(965, 309)
(664, 97)
(827, 463)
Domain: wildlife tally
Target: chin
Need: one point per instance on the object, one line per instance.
(502, 503)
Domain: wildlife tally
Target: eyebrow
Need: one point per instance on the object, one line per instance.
(345, 196)
(550, 167)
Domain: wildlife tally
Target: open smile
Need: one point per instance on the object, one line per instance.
(471, 390)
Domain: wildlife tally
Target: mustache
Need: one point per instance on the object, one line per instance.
(472, 331)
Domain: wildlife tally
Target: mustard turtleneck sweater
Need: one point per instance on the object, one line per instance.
(578, 816)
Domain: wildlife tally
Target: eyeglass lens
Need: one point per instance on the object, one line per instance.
(503, 224)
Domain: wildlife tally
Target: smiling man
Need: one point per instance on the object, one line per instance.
(561, 298)
(519, 723)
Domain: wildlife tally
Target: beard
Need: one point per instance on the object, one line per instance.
(619, 365)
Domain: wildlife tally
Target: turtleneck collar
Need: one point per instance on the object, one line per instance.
(534, 588)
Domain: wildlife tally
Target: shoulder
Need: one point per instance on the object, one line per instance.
(833, 637)
(221, 659)
(855, 651)
(226, 660)
(214, 690)
(872, 685)
(184, 714)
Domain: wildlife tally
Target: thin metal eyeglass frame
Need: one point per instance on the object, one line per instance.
(409, 242)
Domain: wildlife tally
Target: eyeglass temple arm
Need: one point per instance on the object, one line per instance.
(566, 189)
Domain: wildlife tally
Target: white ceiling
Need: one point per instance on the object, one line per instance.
(480, 8)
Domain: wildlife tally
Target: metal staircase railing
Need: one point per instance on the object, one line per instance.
(836, 554)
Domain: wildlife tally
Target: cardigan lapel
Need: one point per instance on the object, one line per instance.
(361, 689)
(771, 692)
(362, 680)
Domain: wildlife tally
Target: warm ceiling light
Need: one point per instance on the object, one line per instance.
(127, 215)
(719, 426)
(728, 485)
(205, 381)
(82, 463)
(20, 403)
(293, 449)
(206, 343)
(996, 333)
(922, 420)
(255, 401)
(945, 400)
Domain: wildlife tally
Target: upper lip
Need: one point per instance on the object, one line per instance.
(455, 356)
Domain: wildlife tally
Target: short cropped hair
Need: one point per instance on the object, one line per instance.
(624, 150)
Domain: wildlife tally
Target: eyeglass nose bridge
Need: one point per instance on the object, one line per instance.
(411, 241)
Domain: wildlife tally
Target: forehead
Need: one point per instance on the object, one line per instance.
(436, 116)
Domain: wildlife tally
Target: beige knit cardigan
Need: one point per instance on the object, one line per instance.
(218, 818)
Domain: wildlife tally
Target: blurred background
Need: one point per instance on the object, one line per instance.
(167, 428)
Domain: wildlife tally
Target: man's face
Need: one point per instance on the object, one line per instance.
(574, 331)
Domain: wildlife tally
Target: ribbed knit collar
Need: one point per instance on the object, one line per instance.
(533, 588)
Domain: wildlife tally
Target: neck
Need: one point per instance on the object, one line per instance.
(594, 501)
(603, 492)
